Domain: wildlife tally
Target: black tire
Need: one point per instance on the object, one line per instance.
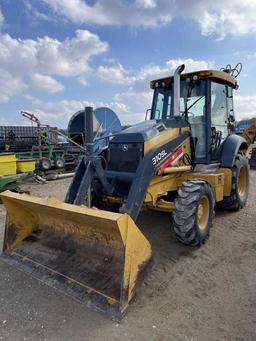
(240, 174)
(44, 164)
(194, 197)
(59, 163)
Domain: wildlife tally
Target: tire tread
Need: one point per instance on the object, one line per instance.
(184, 215)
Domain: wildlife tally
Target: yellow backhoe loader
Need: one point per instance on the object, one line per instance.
(249, 134)
(183, 159)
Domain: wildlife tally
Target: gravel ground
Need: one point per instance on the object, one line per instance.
(206, 293)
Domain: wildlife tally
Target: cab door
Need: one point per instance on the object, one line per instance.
(219, 116)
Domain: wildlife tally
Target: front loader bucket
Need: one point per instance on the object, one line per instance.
(97, 257)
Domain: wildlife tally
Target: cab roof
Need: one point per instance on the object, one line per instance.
(221, 76)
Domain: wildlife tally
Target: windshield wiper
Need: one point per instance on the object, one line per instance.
(187, 109)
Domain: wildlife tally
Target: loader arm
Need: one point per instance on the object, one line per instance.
(82, 181)
(80, 189)
(144, 174)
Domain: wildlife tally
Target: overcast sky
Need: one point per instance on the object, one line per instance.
(56, 56)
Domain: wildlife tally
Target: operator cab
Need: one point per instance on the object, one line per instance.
(206, 103)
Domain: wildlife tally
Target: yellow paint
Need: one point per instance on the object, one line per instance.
(163, 137)
(215, 74)
(161, 185)
(214, 179)
(162, 205)
(227, 180)
(26, 214)
(26, 219)
(219, 194)
(7, 164)
(250, 134)
(137, 253)
(186, 146)
(108, 200)
(177, 169)
(242, 181)
(111, 301)
(25, 166)
(203, 212)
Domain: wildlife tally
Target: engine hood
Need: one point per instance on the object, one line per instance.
(147, 130)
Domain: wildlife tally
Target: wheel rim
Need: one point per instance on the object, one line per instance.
(242, 181)
(59, 163)
(45, 164)
(203, 211)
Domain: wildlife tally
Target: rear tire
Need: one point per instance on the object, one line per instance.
(193, 212)
(240, 185)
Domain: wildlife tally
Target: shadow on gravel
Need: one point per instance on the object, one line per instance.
(158, 229)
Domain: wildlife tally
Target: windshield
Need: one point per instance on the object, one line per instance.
(192, 106)
(192, 101)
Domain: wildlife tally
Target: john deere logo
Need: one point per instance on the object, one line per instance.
(124, 147)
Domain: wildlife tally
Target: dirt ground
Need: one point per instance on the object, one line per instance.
(206, 293)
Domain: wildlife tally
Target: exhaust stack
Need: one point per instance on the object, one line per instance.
(89, 130)
(176, 91)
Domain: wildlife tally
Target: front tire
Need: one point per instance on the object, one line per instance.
(193, 212)
(240, 185)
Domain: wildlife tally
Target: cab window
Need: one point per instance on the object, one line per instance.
(159, 106)
(194, 98)
(192, 106)
(219, 115)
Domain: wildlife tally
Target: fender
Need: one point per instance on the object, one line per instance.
(229, 149)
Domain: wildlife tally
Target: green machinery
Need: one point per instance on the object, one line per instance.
(11, 182)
